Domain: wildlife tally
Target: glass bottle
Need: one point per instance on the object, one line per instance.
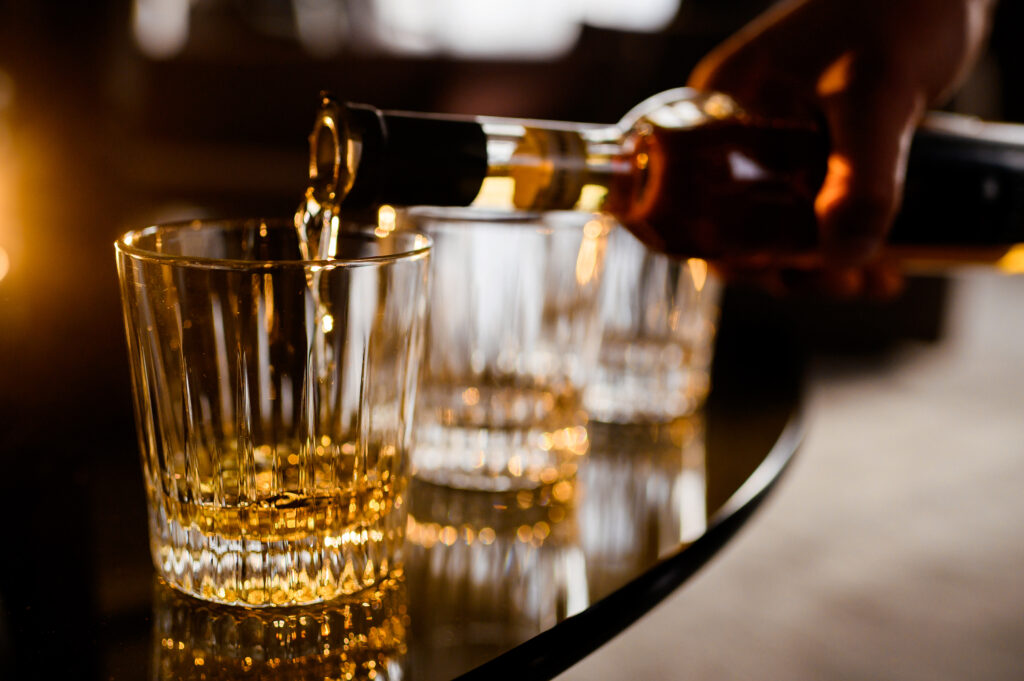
(689, 173)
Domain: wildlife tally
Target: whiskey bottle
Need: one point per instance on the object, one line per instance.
(689, 173)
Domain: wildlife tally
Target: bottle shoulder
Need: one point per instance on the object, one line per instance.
(680, 108)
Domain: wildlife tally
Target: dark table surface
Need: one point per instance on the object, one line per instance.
(522, 584)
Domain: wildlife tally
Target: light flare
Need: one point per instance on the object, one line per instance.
(1011, 263)
(837, 183)
(836, 77)
(386, 221)
(591, 249)
(698, 272)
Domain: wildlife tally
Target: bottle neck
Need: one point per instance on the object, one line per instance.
(541, 165)
(362, 157)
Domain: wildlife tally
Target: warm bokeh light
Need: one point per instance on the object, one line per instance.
(471, 397)
(837, 183)
(1013, 261)
(641, 16)
(698, 272)
(591, 251)
(592, 197)
(527, 29)
(7, 174)
(160, 27)
(387, 219)
(836, 77)
(495, 192)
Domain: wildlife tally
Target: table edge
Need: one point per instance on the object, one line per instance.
(545, 656)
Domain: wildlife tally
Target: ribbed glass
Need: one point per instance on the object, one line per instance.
(659, 318)
(274, 402)
(512, 336)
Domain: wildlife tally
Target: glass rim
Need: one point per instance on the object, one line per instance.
(456, 216)
(125, 245)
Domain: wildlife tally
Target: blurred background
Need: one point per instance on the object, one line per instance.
(117, 113)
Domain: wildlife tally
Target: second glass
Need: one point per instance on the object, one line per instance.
(659, 315)
(513, 333)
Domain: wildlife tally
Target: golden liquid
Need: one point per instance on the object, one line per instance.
(289, 515)
(286, 497)
(277, 526)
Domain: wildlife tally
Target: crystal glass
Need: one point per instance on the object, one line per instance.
(659, 319)
(274, 404)
(513, 333)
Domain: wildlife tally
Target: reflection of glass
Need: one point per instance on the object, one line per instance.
(353, 637)
(643, 494)
(659, 316)
(274, 402)
(488, 571)
(512, 335)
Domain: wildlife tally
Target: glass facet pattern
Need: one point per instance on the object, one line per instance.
(659, 319)
(274, 403)
(512, 336)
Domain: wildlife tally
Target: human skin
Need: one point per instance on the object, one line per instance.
(868, 70)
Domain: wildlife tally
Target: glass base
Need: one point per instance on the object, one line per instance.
(498, 437)
(497, 460)
(621, 394)
(295, 571)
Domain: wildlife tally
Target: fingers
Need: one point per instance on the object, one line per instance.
(871, 116)
(870, 110)
(765, 86)
(870, 104)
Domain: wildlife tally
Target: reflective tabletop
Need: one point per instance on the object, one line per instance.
(516, 585)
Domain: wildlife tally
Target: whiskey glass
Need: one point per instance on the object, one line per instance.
(512, 335)
(274, 404)
(659, 320)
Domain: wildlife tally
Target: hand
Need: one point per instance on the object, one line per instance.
(869, 69)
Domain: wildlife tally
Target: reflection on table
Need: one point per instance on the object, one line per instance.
(644, 496)
(537, 579)
(484, 572)
(488, 571)
(360, 637)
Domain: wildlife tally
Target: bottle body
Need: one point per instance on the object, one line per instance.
(689, 174)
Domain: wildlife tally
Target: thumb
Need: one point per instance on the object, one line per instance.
(870, 128)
